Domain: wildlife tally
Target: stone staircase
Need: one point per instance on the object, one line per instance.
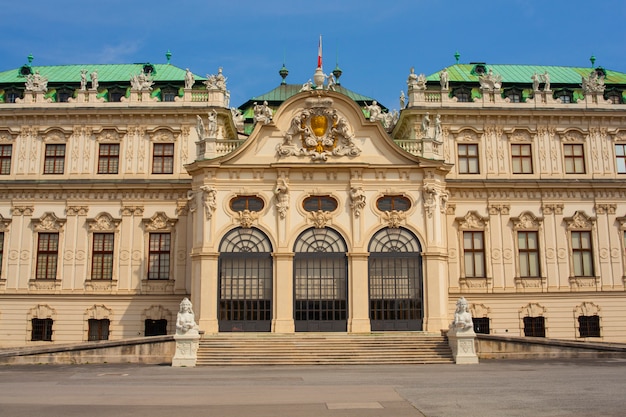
(391, 348)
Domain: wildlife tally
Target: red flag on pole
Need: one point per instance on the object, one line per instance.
(319, 54)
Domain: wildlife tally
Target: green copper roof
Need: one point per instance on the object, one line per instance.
(284, 91)
(106, 73)
(521, 74)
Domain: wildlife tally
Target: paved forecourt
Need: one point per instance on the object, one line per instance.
(490, 389)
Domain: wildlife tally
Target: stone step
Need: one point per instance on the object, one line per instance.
(322, 349)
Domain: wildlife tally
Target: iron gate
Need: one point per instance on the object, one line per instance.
(395, 281)
(245, 282)
(320, 284)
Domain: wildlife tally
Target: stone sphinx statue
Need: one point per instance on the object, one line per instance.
(462, 316)
(185, 320)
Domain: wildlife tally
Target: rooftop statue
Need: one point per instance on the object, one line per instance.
(402, 100)
(262, 113)
(83, 80)
(216, 82)
(546, 79)
(141, 82)
(331, 82)
(412, 80)
(593, 83)
(94, 80)
(189, 79)
(237, 118)
(535, 79)
(490, 81)
(37, 83)
(444, 79)
(375, 111)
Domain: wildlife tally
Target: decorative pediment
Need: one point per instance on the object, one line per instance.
(467, 135)
(98, 312)
(472, 221)
(109, 135)
(103, 222)
(520, 136)
(162, 135)
(159, 221)
(6, 136)
(526, 221)
(56, 136)
(42, 311)
(587, 309)
(48, 222)
(532, 310)
(318, 132)
(572, 136)
(579, 221)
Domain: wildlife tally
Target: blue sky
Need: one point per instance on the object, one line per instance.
(374, 42)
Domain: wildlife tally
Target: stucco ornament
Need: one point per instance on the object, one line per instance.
(282, 197)
(209, 198)
(247, 218)
(318, 132)
(394, 218)
(357, 200)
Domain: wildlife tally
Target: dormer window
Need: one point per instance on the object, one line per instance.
(463, 95)
(25, 70)
(566, 96)
(514, 95)
(479, 69)
(148, 69)
(614, 96)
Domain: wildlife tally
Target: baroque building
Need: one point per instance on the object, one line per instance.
(311, 208)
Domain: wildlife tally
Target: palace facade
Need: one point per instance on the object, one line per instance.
(311, 208)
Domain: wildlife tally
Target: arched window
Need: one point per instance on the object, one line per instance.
(320, 284)
(245, 281)
(395, 280)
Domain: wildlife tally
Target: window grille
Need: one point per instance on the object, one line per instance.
(41, 330)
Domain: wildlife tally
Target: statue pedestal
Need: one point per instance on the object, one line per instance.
(462, 344)
(186, 349)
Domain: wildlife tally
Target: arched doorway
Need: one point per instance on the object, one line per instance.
(245, 281)
(395, 281)
(320, 284)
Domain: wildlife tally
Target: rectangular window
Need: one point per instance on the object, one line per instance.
(582, 254)
(589, 326)
(481, 325)
(163, 158)
(574, 156)
(42, 330)
(521, 158)
(55, 159)
(47, 255)
(474, 252)
(108, 158)
(102, 260)
(528, 245)
(535, 326)
(155, 327)
(159, 256)
(468, 159)
(98, 329)
(620, 156)
(6, 152)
